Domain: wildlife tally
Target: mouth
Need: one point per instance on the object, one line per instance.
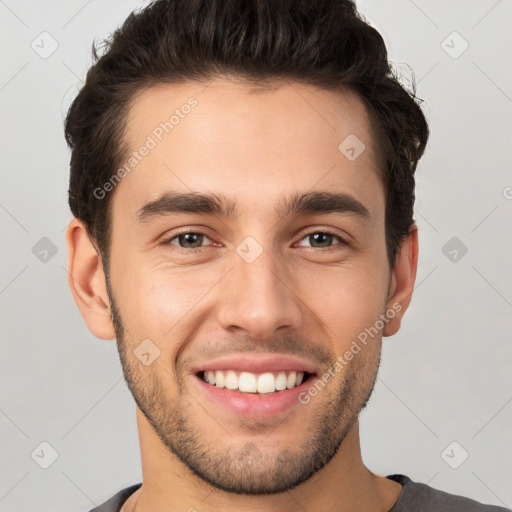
(257, 396)
(262, 383)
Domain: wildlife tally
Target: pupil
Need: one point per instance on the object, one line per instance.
(186, 236)
(316, 236)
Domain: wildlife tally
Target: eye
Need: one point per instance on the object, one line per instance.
(188, 240)
(319, 239)
(192, 241)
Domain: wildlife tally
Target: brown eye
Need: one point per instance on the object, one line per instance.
(188, 240)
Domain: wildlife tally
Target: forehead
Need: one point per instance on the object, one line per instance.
(257, 146)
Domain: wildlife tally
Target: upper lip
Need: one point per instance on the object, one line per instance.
(257, 363)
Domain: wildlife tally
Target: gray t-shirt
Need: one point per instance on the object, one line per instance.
(415, 497)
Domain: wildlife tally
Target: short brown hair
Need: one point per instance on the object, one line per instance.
(325, 43)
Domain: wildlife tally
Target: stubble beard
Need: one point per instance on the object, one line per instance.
(246, 469)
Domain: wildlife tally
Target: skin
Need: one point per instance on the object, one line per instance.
(256, 148)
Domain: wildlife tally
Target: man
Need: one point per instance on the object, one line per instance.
(242, 181)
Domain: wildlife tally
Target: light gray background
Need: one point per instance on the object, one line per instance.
(445, 376)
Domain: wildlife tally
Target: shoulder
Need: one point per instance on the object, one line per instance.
(420, 497)
(115, 503)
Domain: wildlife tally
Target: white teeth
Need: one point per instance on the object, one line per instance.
(290, 382)
(231, 380)
(219, 379)
(281, 381)
(266, 383)
(247, 382)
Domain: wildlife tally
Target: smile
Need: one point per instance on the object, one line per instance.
(248, 382)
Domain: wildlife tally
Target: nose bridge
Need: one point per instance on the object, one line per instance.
(256, 296)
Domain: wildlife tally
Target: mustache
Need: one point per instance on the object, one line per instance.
(292, 345)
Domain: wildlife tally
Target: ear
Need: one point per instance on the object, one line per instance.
(403, 278)
(87, 281)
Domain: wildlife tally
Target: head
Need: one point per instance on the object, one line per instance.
(288, 117)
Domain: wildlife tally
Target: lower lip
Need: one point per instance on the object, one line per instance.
(254, 405)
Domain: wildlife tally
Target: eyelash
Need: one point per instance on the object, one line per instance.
(181, 250)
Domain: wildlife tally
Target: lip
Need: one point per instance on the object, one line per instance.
(257, 363)
(252, 405)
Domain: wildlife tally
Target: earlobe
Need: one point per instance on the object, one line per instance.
(402, 281)
(86, 280)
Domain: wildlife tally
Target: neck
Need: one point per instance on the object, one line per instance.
(168, 485)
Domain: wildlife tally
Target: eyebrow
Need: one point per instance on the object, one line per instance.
(318, 202)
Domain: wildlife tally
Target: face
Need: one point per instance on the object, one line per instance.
(251, 282)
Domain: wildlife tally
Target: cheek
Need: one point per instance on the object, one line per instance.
(159, 302)
(347, 299)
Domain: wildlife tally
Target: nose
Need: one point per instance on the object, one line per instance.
(258, 298)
